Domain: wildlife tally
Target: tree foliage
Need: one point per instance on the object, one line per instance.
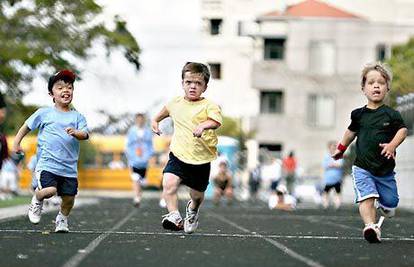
(41, 36)
(402, 64)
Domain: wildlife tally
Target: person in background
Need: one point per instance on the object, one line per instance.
(281, 199)
(139, 150)
(289, 169)
(223, 184)
(332, 177)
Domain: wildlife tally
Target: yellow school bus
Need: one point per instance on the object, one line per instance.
(108, 169)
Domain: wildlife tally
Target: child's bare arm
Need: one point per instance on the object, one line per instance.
(388, 150)
(347, 139)
(19, 137)
(159, 117)
(80, 135)
(208, 124)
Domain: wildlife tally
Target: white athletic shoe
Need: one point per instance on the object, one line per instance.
(61, 223)
(35, 210)
(372, 233)
(191, 219)
(162, 203)
(136, 202)
(172, 221)
(388, 213)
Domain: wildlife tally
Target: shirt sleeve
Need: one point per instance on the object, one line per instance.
(398, 121)
(214, 113)
(35, 120)
(354, 126)
(82, 125)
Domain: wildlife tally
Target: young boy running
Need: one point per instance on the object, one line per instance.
(193, 146)
(379, 130)
(138, 152)
(60, 129)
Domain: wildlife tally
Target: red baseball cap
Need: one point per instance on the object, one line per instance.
(65, 75)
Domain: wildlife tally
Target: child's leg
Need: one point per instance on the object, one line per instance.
(217, 195)
(170, 183)
(136, 187)
(45, 193)
(367, 210)
(197, 198)
(67, 204)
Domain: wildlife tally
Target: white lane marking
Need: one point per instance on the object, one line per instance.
(76, 259)
(394, 238)
(280, 246)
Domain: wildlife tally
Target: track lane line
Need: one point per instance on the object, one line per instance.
(76, 259)
(280, 246)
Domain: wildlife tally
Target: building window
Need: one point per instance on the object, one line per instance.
(321, 111)
(271, 102)
(215, 26)
(274, 48)
(215, 69)
(322, 57)
(381, 52)
(272, 150)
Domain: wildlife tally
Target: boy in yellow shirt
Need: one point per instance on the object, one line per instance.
(193, 146)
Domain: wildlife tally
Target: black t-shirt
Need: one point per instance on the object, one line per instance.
(374, 127)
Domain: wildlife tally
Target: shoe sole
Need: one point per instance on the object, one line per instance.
(62, 231)
(166, 224)
(371, 236)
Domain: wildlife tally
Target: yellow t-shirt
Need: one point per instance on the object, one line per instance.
(187, 115)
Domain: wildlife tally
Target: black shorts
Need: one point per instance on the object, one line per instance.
(221, 184)
(337, 187)
(193, 176)
(273, 185)
(65, 186)
(140, 171)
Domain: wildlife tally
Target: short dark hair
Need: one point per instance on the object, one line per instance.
(64, 75)
(195, 67)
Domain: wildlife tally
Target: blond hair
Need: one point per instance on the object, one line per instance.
(382, 68)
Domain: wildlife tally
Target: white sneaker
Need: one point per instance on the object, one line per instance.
(162, 203)
(136, 202)
(172, 221)
(388, 213)
(61, 223)
(372, 233)
(191, 219)
(35, 210)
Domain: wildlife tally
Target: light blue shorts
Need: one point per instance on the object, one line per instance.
(384, 188)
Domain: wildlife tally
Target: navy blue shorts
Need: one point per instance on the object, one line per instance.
(337, 187)
(273, 185)
(65, 186)
(193, 176)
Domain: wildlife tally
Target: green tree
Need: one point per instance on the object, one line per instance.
(41, 36)
(402, 64)
(232, 127)
(17, 113)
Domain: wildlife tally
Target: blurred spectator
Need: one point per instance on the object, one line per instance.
(281, 199)
(272, 173)
(332, 178)
(255, 178)
(139, 150)
(289, 169)
(223, 183)
(10, 174)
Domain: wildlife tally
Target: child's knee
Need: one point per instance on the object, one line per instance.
(389, 202)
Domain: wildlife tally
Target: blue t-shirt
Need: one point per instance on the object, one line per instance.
(58, 152)
(9, 166)
(139, 147)
(332, 175)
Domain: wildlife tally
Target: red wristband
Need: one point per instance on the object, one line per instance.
(342, 148)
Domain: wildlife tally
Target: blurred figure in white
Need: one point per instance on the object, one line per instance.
(280, 199)
(10, 174)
